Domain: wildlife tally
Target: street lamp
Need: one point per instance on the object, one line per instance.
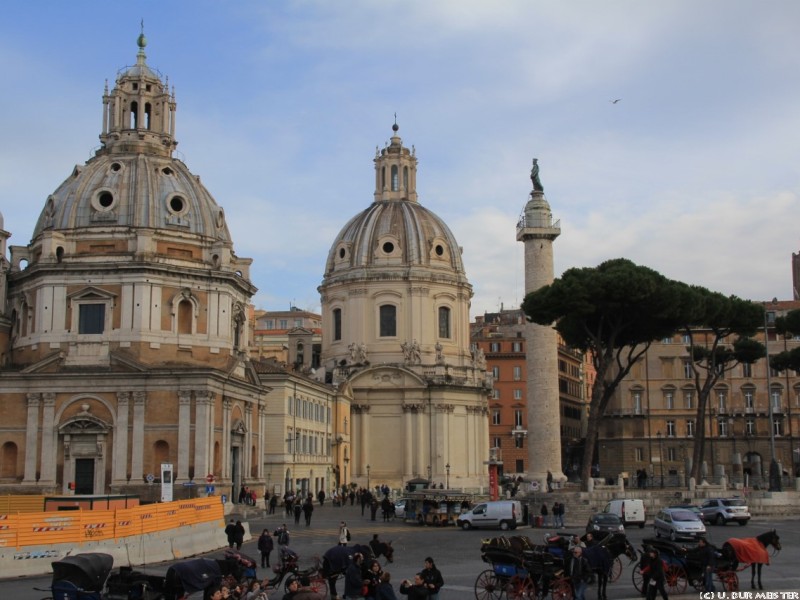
(660, 457)
(368, 477)
(447, 468)
(774, 471)
(293, 440)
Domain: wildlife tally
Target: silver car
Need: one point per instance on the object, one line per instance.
(677, 523)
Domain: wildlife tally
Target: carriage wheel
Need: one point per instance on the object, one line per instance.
(319, 585)
(616, 570)
(729, 580)
(675, 579)
(560, 589)
(638, 579)
(488, 586)
(521, 588)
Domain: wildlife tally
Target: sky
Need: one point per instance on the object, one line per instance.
(694, 172)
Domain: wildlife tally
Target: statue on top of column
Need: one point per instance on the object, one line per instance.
(537, 183)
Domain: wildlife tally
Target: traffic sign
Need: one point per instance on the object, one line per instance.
(150, 478)
(210, 478)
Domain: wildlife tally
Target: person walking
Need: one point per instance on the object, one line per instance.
(580, 573)
(344, 534)
(433, 578)
(353, 581)
(298, 509)
(652, 570)
(265, 547)
(238, 535)
(543, 511)
(321, 497)
(230, 531)
(282, 533)
(308, 508)
(273, 504)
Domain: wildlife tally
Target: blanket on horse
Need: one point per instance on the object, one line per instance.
(749, 550)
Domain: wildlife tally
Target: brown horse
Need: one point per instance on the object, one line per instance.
(752, 551)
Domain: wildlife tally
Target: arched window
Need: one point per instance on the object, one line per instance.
(300, 357)
(147, 118)
(160, 455)
(253, 462)
(134, 116)
(395, 178)
(337, 323)
(405, 178)
(185, 316)
(388, 320)
(217, 458)
(383, 178)
(444, 322)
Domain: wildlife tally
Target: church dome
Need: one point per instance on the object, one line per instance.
(396, 232)
(133, 183)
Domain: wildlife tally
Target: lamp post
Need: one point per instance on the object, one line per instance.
(660, 458)
(774, 472)
(293, 441)
(368, 477)
(447, 469)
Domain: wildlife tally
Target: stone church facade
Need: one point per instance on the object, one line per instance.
(396, 338)
(124, 334)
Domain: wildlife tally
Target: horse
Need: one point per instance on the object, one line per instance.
(382, 549)
(601, 557)
(752, 551)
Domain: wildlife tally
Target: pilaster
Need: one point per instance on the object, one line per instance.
(31, 435)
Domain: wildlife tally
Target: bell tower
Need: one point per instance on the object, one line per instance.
(139, 113)
(395, 171)
(537, 231)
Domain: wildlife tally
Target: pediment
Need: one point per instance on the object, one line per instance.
(386, 377)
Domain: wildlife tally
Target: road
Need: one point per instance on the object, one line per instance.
(457, 552)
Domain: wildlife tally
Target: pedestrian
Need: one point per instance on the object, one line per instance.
(298, 509)
(282, 533)
(385, 590)
(415, 590)
(308, 508)
(353, 581)
(321, 497)
(433, 578)
(242, 492)
(543, 511)
(652, 570)
(372, 579)
(238, 535)
(580, 573)
(344, 534)
(352, 496)
(373, 509)
(549, 481)
(708, 561)
(265, 547)
(273, 503)
(230, 531)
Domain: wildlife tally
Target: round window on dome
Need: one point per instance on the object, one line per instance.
(177, 205)
(388, 247)
(166, 171)
(342, 252)
(439, 250)
(104, 201)
(116, 167)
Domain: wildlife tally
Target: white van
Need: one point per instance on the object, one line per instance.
(630, 510)
(505, 514)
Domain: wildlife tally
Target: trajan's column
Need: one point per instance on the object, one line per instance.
(537, 231)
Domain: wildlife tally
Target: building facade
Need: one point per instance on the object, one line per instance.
(651, 422)
(125, 329)
(293, 337)
(395, 307)
(501, 337)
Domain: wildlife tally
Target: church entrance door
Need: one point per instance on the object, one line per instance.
(84, 476)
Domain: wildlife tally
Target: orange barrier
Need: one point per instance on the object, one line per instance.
(80, 526)
(21, 504)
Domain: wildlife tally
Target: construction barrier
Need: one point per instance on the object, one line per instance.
(10, 505)
(77, 527)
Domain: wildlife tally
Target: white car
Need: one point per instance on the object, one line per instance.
(400, 508)
(676, 523)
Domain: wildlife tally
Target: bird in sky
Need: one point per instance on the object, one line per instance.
(615, 101)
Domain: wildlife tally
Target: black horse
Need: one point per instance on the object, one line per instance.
(601, 556)
(752, 551)
(380, 548)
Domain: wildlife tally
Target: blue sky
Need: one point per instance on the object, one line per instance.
(694, 172)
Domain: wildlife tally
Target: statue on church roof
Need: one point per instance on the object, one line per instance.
(537, 183)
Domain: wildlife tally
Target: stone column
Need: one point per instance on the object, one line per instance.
(120, 461)
(262, 439)
(363, 438)
(137, 443)
(248, 441)
(31, 435)
(49, 436)
(409, 410)
(184, 430)
(202, 425)
(226, 437)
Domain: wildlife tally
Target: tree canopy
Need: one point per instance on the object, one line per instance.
(616, 310)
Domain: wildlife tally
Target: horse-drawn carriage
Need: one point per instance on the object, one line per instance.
(683, 567)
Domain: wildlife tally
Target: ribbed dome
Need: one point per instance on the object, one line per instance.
(393, 235)
(134, 191)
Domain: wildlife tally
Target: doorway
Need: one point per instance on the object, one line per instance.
(84, 476)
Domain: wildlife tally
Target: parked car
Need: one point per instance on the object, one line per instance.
(605, 522)
(630, 510)
(721, 510)
(692, 507)
(400, 508)
(505, 514)
(676, 523)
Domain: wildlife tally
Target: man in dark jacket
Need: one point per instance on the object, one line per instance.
(652, 570)
(230, 531)
(580, 573)
(238, 534)
(416, 590)
(265, 546)
(433, 578)
(353, 581)
(708, 560)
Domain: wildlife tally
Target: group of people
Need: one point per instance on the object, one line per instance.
(557, 511)
(370, 582)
